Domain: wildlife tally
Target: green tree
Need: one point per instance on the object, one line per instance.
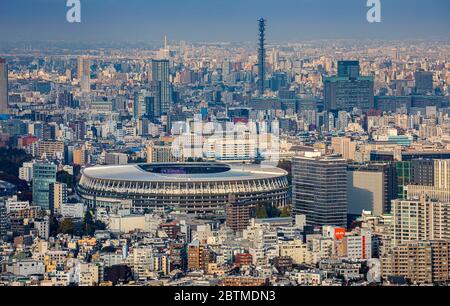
(91, 225)
(285, 212)
(12, 159)
(261, 212)
(66, 178)
(66, 227)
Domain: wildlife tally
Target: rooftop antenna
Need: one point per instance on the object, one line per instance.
(262, 56)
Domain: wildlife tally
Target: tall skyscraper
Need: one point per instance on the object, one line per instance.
(348, 89)
(320, 189)
(139, 104)
(3, 86)
(150, 107)
(159, 72)
(155, 93)
(84, 73)
(262, 56)
(44, 174)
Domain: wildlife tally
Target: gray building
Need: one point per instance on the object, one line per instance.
(84, 73)
(371, 187)
(159, 72)
(393, 103)
(424, 82)
(116, 159)
(320, 189)
(422, 172)
(348, 89)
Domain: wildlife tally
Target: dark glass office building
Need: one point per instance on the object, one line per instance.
(320, 190)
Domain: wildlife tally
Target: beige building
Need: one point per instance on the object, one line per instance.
(50, 148)
(420, 219)
(344, 146)
(442, 174)
(434, 193)
(297, 250)
(88, 274)
(370, 187)
(365, 191)
(58, 196)
(161, 154)
(80, 156)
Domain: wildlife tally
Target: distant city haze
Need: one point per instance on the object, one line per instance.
(213, 20)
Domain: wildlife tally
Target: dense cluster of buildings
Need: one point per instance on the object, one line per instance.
(209, 164)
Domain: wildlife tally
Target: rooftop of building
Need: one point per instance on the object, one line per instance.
(184, 172)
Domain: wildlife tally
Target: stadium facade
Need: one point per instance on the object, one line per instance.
(194, 188)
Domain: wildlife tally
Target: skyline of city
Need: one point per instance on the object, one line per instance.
(290, 20)
(178, 163)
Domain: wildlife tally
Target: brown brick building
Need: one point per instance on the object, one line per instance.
(199, 256)
(238, 214)
(421, 262)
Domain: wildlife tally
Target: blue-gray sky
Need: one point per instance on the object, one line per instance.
(222, 20)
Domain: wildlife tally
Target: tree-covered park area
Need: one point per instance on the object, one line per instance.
(10, 162)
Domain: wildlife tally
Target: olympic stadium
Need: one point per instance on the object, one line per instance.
(194, 188)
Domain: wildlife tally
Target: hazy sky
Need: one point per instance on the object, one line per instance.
(222, 20)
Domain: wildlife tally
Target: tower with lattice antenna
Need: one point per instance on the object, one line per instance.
(262, 56)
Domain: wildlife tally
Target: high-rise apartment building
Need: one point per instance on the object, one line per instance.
(442, 174)
(44, 174)
(238, 214)
(3, 86)
(199, 256)
(420, 219)
(26, 172)
(57, 197)
(80, 156)
(419, 262)
(320, 189)
(348, 89)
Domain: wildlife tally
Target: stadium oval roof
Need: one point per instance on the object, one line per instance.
(183, 172)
